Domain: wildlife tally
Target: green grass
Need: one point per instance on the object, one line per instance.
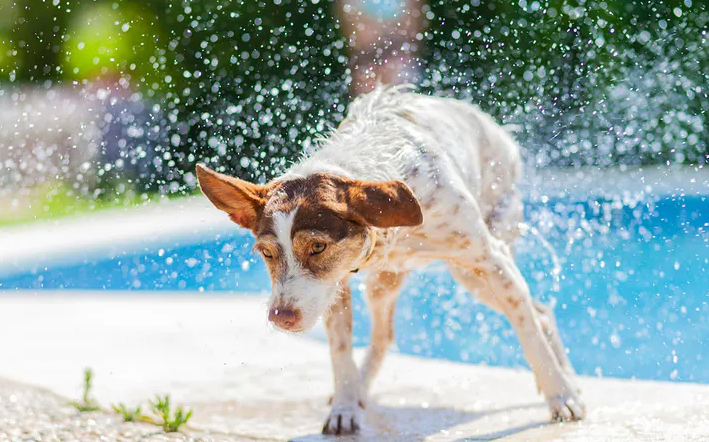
(129, 415)
(58, 200)
(171, 422)
(86, 404)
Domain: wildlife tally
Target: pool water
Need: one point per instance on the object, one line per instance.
(631, 300)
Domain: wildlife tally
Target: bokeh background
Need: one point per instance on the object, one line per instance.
(113, 102)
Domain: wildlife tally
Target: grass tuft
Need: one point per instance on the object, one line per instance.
(87, 404)
(171, 422)
(129, 415)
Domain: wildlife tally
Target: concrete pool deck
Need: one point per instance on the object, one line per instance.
(249, 382)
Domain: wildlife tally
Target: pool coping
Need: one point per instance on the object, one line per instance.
(109, 233)
(218, 355)
(636, 182)
(112, 232)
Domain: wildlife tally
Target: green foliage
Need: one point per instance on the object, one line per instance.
(129, 415)
(108, 41)
(171, 422)
(245, 85)
(87, 404)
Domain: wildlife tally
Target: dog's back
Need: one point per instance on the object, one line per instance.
(429, 142)
(478, 150)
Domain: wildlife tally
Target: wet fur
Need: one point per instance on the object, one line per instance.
(405, 180)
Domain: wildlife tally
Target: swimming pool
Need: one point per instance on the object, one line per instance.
(631, 300)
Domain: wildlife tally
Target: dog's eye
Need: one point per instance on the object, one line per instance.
(317, 248)
(267, 253)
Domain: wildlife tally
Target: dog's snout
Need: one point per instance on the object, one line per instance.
(285, 318)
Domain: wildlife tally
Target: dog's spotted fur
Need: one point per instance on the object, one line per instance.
(407, 179)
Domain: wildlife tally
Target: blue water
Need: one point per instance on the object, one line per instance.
(631, 300)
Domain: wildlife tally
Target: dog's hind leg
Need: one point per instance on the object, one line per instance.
(551, 331)
(505, 289)
(473, 279)
(346, 415)
(382, 291)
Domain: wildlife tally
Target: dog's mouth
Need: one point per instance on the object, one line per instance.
(290, 320)
(295, 331)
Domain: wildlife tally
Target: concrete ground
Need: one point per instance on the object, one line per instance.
(246, 381)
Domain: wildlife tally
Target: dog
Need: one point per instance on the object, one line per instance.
(405, 180)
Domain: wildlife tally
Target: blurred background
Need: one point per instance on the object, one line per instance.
(113, 102)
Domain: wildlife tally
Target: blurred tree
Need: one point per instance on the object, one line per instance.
(247, 85)
(116, 41)
(36, 37)
(8, 59)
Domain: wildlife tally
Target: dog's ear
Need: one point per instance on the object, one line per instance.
(382, 204)
(242, 200)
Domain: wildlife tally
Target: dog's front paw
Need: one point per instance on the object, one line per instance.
(345, 419)
(362, 402)
(567, 407)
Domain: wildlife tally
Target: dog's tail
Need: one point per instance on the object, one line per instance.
(556, 270)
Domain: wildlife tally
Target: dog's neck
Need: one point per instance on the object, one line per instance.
(358, 151)
(368, 143)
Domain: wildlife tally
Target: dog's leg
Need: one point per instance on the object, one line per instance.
(551, 331)
(474, 280)
(346, 414)
(471, 279)
(506, 289)
(382, 291)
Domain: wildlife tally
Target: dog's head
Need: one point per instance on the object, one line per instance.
(311, 232)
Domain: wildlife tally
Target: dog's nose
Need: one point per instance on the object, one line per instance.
(285, 318)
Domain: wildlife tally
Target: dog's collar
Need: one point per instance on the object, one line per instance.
(370, 253)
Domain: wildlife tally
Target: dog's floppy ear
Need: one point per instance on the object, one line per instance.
(382, 203)
(242, 200)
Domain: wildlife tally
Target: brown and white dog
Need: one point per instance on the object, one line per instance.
(405, 180)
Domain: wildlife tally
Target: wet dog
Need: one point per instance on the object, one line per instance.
(405, 180)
